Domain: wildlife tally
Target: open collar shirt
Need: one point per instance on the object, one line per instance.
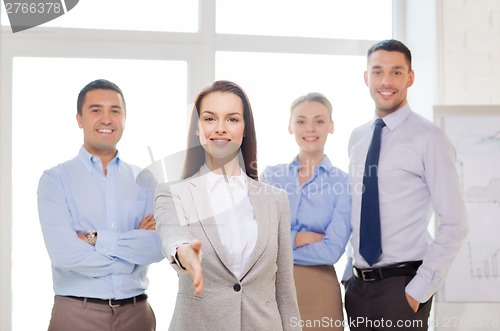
(75, 197)
(234, 216)
(322, 205)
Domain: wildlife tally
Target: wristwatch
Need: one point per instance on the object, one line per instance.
(91, 237)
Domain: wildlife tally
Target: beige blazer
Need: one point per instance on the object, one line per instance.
(264, 298)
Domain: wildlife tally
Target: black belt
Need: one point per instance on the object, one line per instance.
(393, 270)
(112, 302)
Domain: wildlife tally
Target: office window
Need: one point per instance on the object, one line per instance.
(354, 19)
(45, 133)
(160, 72)
(273, 81)
(144, 15)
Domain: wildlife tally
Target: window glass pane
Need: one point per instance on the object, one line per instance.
(273, 81)
(45, 133)
(4, 20)
(144, 15)
(353, 19)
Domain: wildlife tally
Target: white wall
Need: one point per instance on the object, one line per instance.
(469, 75)
(467, 33)
(470, 52)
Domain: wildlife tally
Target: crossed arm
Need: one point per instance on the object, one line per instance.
(116, 253)
(148, 223)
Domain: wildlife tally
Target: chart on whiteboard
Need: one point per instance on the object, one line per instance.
(475, 273)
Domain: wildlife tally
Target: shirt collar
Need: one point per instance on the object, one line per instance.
(213, 180)
(325, 164)
(90, 160)
(394, 119)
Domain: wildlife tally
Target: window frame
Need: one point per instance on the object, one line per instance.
(197, 49)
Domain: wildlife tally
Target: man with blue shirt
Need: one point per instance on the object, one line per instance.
(406, 167)
(98, 225)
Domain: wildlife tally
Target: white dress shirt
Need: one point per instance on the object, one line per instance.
(416, 175)
(234, 215)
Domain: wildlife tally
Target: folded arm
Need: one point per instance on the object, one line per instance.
(325, 248)
(66, 249)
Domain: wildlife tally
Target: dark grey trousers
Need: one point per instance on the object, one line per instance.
(75, 315)
(382, 305)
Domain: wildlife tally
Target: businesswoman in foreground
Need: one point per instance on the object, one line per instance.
(227, 235)
(320, 209)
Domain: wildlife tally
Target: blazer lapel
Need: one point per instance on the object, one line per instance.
(202, 204)
(261, 211)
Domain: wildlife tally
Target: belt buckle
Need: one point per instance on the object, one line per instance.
(110, 303)
(364, 277)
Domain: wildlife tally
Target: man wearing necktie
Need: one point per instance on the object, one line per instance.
(402, 168)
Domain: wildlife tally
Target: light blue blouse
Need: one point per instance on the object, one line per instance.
(322, 205)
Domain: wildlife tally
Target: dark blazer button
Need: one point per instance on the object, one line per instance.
(237, 287)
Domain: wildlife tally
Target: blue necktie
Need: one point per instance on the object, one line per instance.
(370, 246)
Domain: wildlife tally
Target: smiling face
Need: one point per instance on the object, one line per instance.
(102, 120)
(388, 77)
(221, 126)
(311, 123)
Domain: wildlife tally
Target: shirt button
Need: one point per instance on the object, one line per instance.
(237, 287)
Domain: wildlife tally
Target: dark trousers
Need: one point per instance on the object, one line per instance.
(76, 315)
(382, 305)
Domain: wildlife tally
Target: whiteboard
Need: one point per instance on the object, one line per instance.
(475, 132)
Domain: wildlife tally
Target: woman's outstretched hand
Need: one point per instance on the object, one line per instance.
(189, 257)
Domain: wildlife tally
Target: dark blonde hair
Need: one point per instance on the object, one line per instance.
(310, 97)
(195, 156)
